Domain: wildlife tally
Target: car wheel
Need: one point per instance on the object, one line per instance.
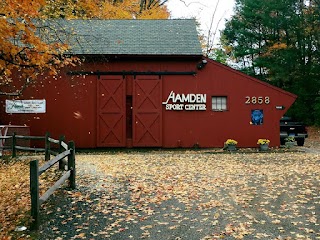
(300, 142)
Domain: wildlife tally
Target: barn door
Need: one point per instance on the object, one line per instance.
(111, 112)
(147, 117)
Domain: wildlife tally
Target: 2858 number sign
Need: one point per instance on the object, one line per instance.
(257, 100)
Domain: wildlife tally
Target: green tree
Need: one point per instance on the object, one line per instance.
(278, 41)
(219, 54)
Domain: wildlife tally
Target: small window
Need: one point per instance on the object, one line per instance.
(219, 103)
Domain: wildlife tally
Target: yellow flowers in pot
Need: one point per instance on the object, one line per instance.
(231, 142)
(263, 141)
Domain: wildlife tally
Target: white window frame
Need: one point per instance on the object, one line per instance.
(219, 103)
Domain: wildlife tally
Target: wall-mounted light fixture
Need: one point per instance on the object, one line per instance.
(201, 64)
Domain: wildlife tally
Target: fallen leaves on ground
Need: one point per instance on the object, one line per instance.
(15, 203)
(14, 195)
(192, 195)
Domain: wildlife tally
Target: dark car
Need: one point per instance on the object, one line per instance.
(291, 128)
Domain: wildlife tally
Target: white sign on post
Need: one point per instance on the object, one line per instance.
(26, 106)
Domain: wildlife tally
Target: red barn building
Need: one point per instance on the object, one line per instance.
(145, 83)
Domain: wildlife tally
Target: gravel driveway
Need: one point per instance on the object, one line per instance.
(188, 195)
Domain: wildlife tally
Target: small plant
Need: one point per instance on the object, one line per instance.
(290, 139)
(231, 142)
(262, 141)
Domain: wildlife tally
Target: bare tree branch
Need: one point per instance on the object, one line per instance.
(18, 92)
(188, 4)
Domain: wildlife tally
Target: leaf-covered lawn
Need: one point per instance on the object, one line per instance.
(15, 200)
(14, 195)
(189, 195)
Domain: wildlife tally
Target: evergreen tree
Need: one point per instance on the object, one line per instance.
(278, 42)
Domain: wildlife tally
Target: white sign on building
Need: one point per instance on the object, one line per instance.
(188, 102)
(26, 106)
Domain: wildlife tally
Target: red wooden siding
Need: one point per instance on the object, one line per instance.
(147, 109)
(127, 111)
(111, 112)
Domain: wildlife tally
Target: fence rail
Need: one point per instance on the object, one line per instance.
(48, 141)
(36, 171)
(29, 137)
(61, 151)
(28, 149)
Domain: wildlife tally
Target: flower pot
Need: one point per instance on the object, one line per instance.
(264, 147)
(289, 144)
(231, 147)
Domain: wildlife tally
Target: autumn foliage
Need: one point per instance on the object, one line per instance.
(106, 9)
(15, 201)
(158, 194)
(21, 48)
(14, 195)
(24, 51)
(278, 42)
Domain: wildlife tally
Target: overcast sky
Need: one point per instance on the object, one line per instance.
(202, 10)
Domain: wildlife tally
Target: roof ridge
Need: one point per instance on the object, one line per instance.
(99, 19)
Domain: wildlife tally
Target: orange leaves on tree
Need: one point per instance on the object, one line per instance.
(21, 47)
(154, 13)
(105, 9)
(278, 46)
(275, 47)
(121, 10)
(23, 50)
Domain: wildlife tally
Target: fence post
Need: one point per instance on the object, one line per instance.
(61, 149)
(34, 192)
(61, 139)
(47, 147)
(14, 143)
(72, 165)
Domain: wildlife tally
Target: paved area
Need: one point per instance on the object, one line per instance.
(189, 195)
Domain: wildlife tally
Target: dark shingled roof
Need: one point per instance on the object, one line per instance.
(129, 37)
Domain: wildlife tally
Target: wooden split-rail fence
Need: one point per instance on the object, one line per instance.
(61, 152)
(36, 171)
(48, 141)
